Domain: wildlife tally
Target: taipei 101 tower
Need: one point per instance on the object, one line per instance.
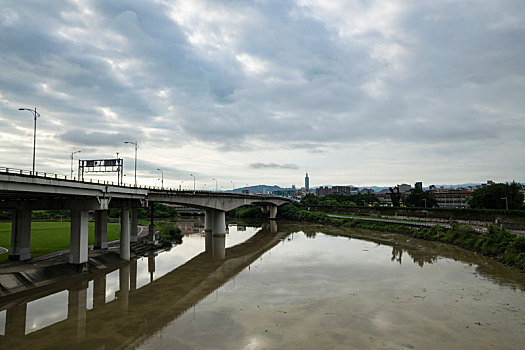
(307, 182)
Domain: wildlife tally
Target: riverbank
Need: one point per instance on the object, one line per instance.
(495, 242)
(54, 271)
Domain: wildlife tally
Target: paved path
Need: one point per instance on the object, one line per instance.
(408, 223)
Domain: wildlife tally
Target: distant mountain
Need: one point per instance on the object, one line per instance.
(375, 188)
(258, 189)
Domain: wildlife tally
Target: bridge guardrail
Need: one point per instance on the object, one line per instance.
(47, 175)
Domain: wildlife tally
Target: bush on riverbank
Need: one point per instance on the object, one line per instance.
(496, 242)
(170, 231)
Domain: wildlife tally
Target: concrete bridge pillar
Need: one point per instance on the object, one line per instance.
(134, 228)
(21, 235)
(208, 229)
(78, 241)
(273, 211)
(208, 220)
(101, 229)
(219, 234)
(264, 209)
(124, 235)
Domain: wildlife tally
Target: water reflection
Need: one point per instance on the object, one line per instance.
(418, 257)
(308, 278)
(115, 294)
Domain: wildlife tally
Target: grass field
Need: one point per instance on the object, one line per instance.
(48, 237)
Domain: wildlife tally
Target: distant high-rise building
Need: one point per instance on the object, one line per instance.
(419, 186)
(307, 182)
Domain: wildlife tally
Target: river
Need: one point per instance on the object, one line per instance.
(282, 287)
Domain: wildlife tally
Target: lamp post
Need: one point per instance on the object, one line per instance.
(71, 156)
(136, 146)
(233, 186)
(193, 182)
(216, 185)
(36, 115)
(162, 178)
(425, 202)
(506, 202)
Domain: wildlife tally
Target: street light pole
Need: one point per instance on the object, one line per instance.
(193, 182)
(136, 146)
(71, 156)
(425, 202)
(36, 115)
(233, 186)
(216, 185)
(162, 178)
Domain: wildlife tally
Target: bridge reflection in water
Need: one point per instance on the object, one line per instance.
(135, 313)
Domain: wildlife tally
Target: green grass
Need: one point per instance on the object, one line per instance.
(48, 237)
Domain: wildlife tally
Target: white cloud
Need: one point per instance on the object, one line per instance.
(354, 91)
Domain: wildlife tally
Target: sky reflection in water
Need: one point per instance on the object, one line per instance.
(311, 290)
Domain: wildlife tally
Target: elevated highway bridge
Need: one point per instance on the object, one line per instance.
(22, 193)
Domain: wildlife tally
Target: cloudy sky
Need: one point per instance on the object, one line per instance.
(258, 92)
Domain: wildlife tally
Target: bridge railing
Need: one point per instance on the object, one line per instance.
(47, 175)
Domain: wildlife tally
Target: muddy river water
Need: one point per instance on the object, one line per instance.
(282, 287)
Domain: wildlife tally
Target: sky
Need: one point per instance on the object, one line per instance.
(259, 92)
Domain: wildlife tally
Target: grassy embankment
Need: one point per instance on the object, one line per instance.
(495, 242)
(49, 237)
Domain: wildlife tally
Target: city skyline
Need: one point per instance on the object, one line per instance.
(365, 94)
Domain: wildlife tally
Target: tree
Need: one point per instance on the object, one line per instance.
(310, 200)
(420, 198)
(395, 196)
(497, 196)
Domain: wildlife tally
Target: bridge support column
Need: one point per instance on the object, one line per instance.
(208, 229)
(21, 235)
(101, 229)
(133, 228)
(264, 209)
(219, 234)
(124, 235)
(78, 241)
(273, 212)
